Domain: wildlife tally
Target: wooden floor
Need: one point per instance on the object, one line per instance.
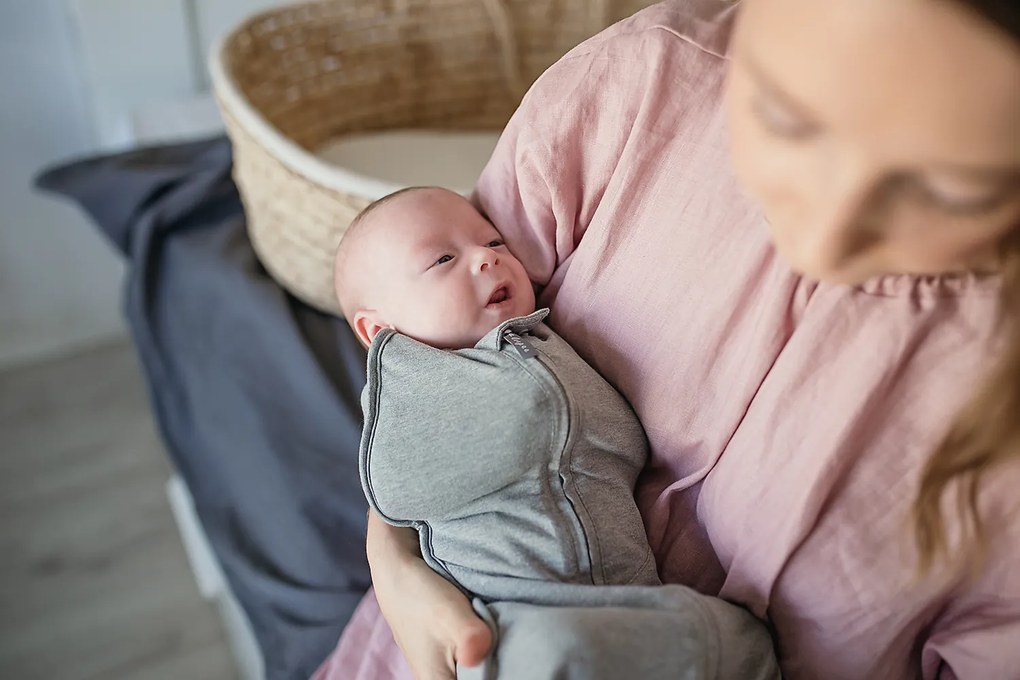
(94, 582)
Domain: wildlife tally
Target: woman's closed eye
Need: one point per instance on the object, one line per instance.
(960, 200)
(781, 121)
(443, 260)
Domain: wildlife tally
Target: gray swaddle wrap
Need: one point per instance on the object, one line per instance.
(511, 471)
(516, 462)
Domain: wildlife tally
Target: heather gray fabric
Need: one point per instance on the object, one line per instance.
(667, 632)
(510, 471)
(516, 463)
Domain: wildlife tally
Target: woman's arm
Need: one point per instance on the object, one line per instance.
(979, 642)
(432, 622)
(558, 153)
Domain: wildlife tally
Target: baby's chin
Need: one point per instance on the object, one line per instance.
(505, 313)
(467, 338)
(467, 335)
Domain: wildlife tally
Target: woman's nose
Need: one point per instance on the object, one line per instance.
(835, 241)
(845, 222)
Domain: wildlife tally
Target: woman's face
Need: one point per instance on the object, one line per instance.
(880, 136)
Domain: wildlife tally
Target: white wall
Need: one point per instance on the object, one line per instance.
(59, 282)
(76, 77)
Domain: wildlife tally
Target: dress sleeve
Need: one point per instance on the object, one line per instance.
(984, 642)
(977, 635)
(552, 164)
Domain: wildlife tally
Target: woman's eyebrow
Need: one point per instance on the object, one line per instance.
(1005, 175)
(778, 92)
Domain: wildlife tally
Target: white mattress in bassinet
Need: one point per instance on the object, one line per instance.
(414, 157)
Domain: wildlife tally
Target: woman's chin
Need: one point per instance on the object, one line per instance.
(851, 275)
(839, 278)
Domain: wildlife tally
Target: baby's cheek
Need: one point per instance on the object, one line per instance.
(455, 325)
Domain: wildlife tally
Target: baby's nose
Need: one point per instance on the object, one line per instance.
(488, 259)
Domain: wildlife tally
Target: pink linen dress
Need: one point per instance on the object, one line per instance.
(789, 420)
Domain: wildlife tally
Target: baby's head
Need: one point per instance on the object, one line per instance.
(425, 263)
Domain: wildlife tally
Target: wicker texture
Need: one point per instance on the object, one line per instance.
(292, 79)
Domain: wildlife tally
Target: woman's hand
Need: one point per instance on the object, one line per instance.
(431, 620)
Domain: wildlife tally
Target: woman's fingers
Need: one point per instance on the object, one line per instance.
(462, 640)
(428, 655)
(431, 620)
(436, 667)
(473, 643)
(466, 634)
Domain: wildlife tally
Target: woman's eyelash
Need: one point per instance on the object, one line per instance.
(962, 207)
(444, 259)
(780, 122)
(955, 206)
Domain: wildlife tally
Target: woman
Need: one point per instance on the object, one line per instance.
(810, 341)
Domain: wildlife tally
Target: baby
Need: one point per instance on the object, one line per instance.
(514, 460)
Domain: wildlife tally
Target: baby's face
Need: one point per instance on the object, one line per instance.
(440, 271)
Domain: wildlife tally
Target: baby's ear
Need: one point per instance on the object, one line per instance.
(367, 323)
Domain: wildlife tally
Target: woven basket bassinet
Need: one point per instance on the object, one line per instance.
(294, 78)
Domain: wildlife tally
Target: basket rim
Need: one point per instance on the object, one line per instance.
(296, 158)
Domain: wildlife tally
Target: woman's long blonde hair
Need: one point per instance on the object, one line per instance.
(986, 433)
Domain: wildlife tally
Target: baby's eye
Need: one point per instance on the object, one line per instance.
(444, 259)
(494, 244)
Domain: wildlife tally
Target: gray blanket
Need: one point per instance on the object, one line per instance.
(256, 394)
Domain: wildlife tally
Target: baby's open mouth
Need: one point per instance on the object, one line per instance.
(499, 296)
